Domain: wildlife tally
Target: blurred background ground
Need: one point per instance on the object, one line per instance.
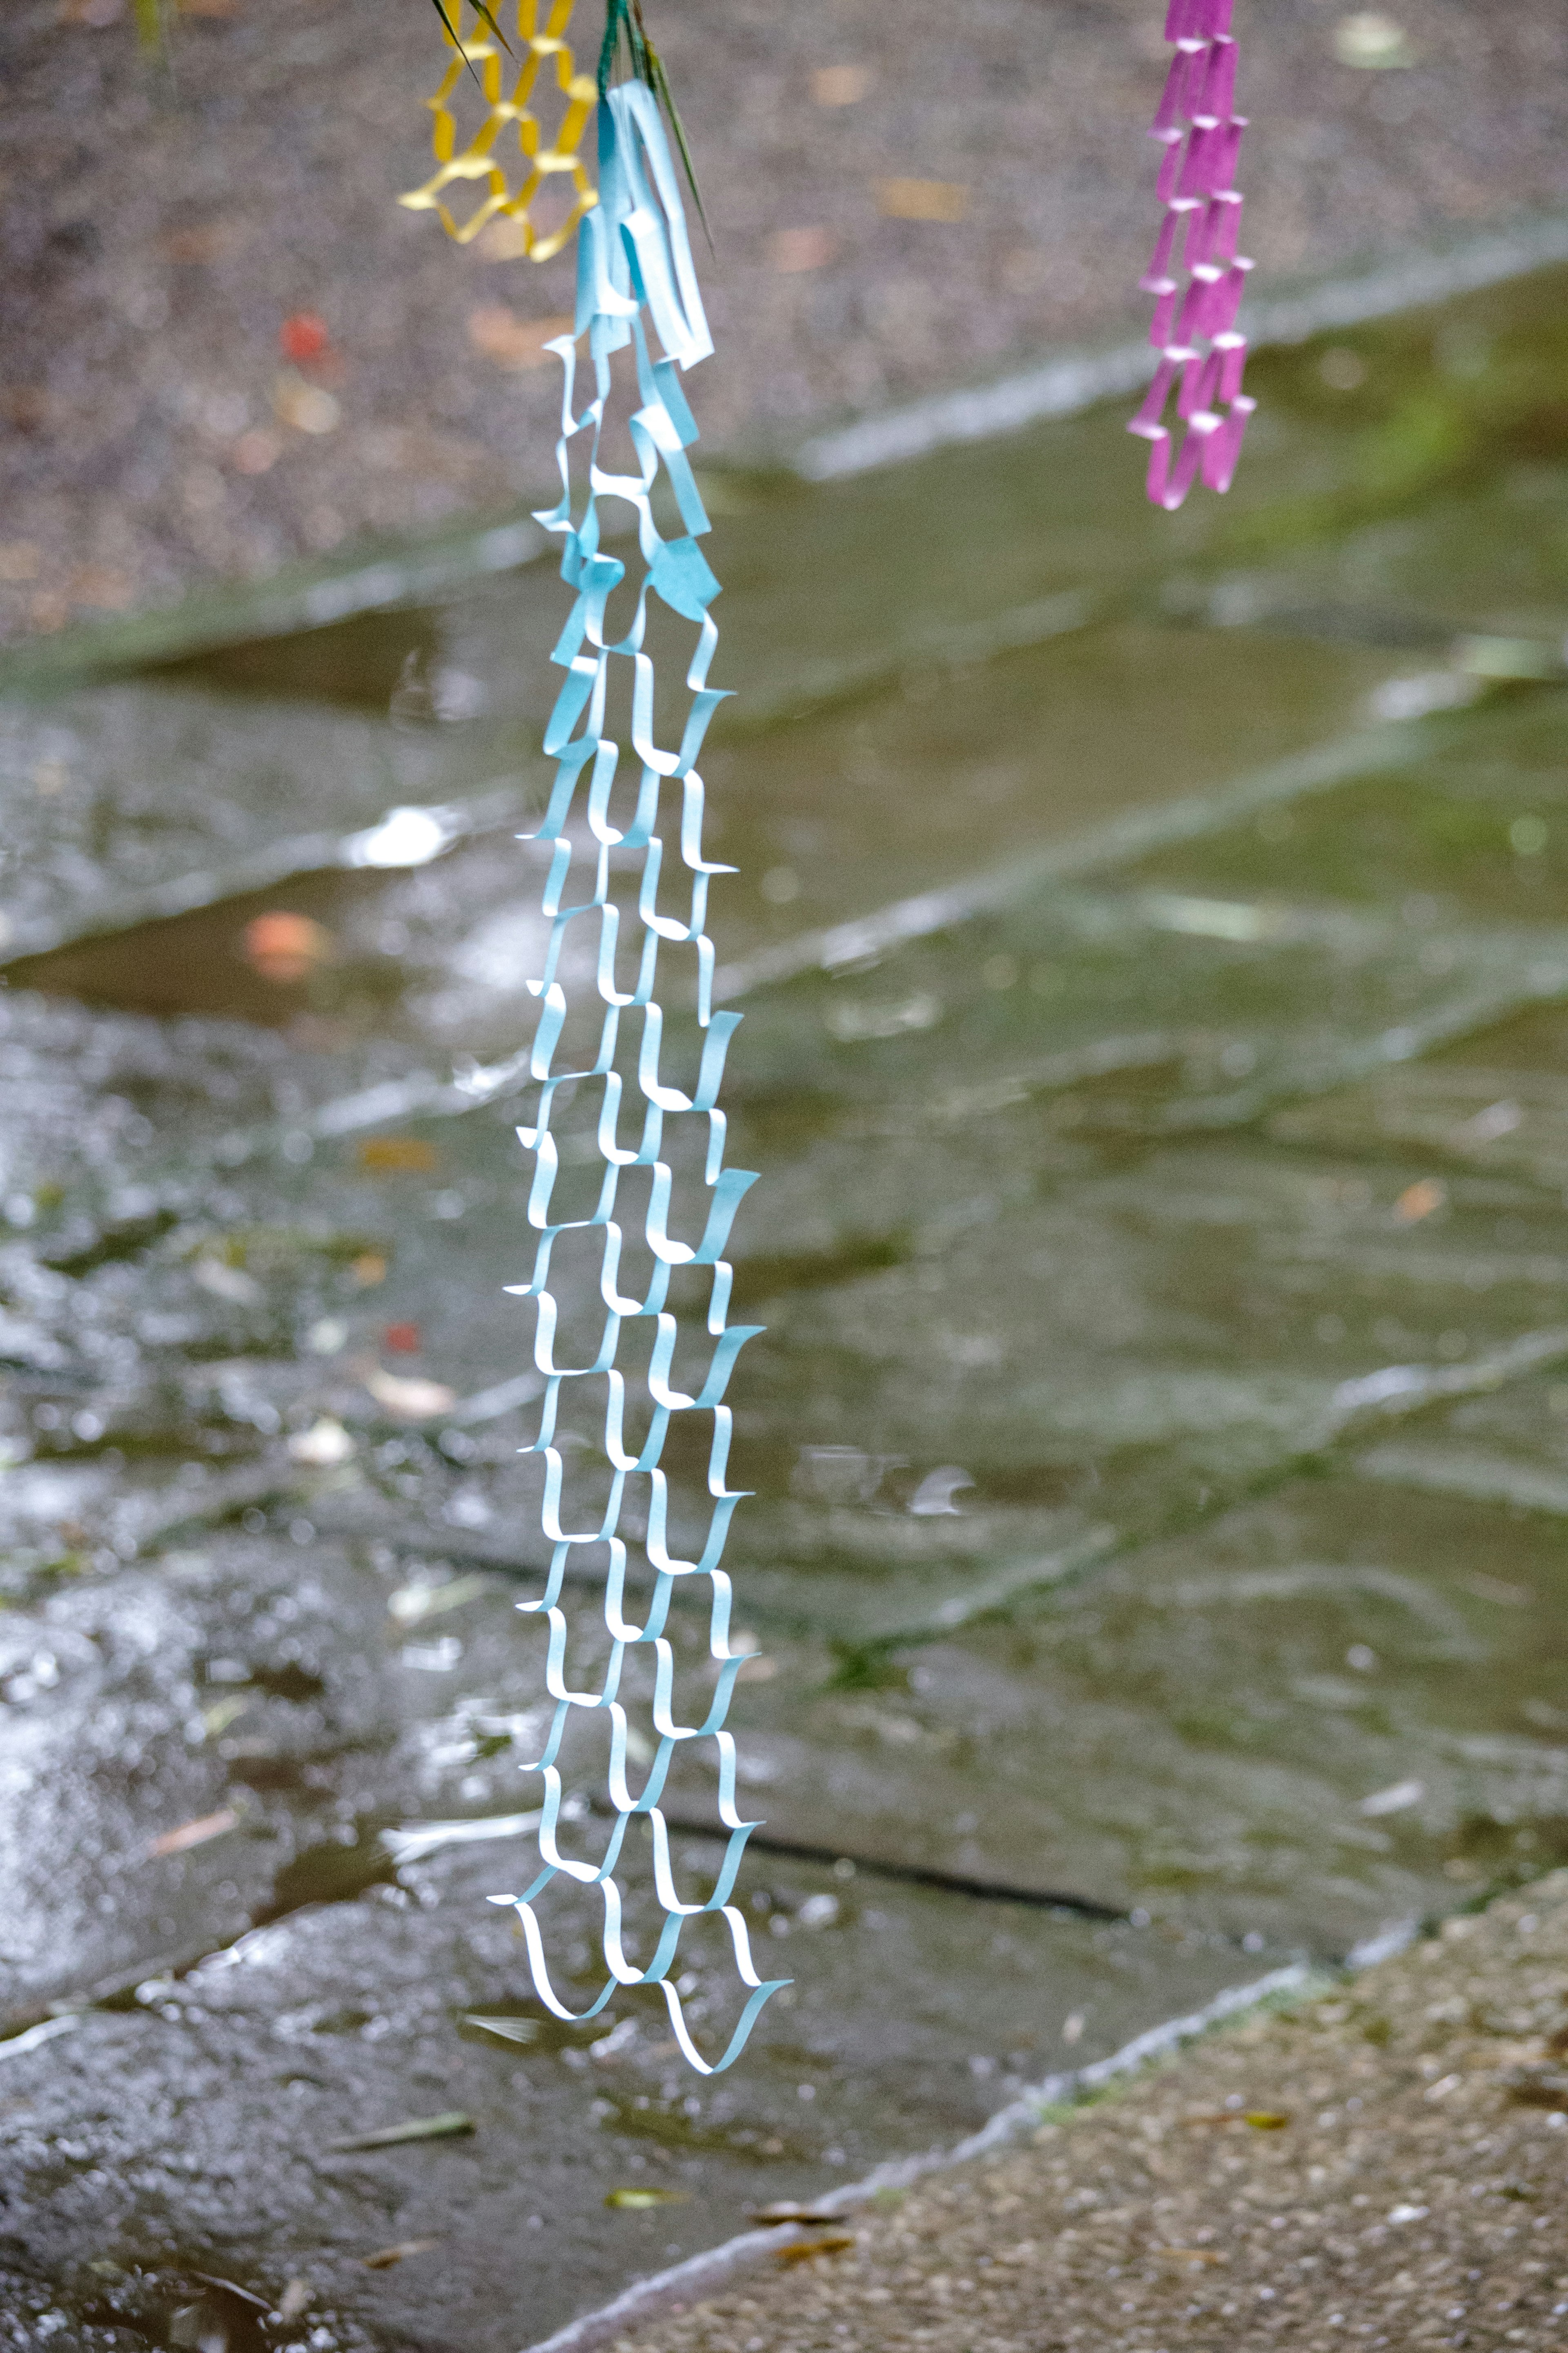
(162, 220)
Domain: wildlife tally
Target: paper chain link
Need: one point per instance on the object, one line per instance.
(1200, 130)
(635, 269)
(478, 160)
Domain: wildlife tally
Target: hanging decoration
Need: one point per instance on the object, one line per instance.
(1195, 274)
(479, 56)
(599, 1043)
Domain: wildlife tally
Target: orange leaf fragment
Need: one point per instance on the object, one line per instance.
(832, 2242)
(385, 2257)
(285, 948)
(387, 1155)
(840, 84)
(197, 1833)
(498, 335)
(923, 200)
(303, 337)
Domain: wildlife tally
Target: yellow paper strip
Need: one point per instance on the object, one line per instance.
(486, 156)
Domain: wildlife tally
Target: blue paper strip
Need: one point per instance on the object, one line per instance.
(634, 274)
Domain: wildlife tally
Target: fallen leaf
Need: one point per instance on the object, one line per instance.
(410, 1400)
(840, 84)
(322, 1447)
(401, 1339)
(207, 243)
(925, 200)
(388, 1155)
(256, 452)
(197, 1833)
(303, 337)
(1398, 1799)
(27, 406)
(793, 249)
(433, 1658)
(368, 1268)
(101, 585)
(411, 1603)
(446, 2127)
(832, 2242)
(636, 2202)
(1499, 1119)
(223, 1712)
(1261, 2119)
(787, 2210)
(385, 2257)
(510, 341)
(306, 407)
(296, 2298)
(1492, 1588)
(1544, 2091)
(210, 2279)
(505, 2030)
(1370, 40)
(285, 948)
(225, 1282)
(1419, 1200)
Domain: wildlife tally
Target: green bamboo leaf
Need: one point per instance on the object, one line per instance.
(441, 12)
(495, 28)
(615, 15)
(666, 97)
(647, 66)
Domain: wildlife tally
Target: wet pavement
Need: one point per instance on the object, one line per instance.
(1152, 935)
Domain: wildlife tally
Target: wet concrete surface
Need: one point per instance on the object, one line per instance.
(1159, 1436)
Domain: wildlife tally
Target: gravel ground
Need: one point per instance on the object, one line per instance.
(1383, 2167)
(159, 226)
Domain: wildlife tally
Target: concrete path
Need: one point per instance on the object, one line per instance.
(1381, 2166)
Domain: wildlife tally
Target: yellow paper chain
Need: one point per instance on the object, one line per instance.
(478, 160)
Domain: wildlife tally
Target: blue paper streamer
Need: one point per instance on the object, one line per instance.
(635, 272)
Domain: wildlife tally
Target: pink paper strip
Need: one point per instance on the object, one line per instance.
(1197, 282)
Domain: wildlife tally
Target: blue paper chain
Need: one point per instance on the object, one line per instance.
(635, 269)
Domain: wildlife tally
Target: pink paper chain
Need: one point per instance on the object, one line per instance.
(1193, 327)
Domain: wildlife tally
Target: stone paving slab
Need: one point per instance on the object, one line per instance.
(144, 295)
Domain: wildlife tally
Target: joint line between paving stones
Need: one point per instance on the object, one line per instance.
(1368, 1401)
(1074, 381)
